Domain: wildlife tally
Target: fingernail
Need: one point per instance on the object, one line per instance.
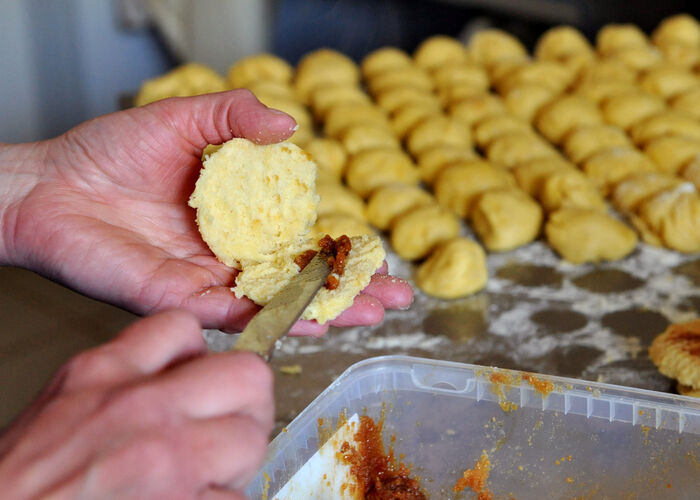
(277, 112)
(295, 127)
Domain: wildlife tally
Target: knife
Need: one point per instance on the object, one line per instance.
(276, 318)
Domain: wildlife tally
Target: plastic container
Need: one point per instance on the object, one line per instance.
(582, 439)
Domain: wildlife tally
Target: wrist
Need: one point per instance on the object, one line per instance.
(19, 174)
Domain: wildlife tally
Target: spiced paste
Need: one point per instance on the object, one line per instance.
(337, 251)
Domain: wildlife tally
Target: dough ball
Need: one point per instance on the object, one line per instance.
(362, 136)
(608, 70)
(681, 54)
(390, 201)
(455, 268)
(290, 106)
(672, 152)
(384, 59)
(325, 97)
(564, 114)
(667, 81)
(467, 74)
(614, 37)
(610, 166)
(676, 352)
(272, 89)
(681, 28)
(625, 110)
(686, 390)
(337, 199)
(494, 126)
(531, 174)
(510, 149)
(581, 235)
(454, 94)
(525, 101)
(432, 160)
(636, 188)
(261, 281)
(560, 42)
(409, 76)
(186, 80)
(337, 224)
(665, 123)
(457, 185)
(374, 168)
(475, 108)
(396, 97)
(416, 232)
(490, 46)
(408, 116)
(688, 102)
(258, 67)
(343, 116)
(439, 50)
(329, 155)
(639, 58)
(583, 142)
(505, 218)
(303, 135)
(550, 74)
(569, 189)
(437, 130)
(324, 67)
(599, 90)
(692, 173)
(274, 205)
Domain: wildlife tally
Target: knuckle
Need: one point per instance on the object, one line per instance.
(90, 364)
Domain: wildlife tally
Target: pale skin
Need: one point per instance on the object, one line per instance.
(103, 210)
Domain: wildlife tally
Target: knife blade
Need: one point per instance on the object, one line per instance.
(276, 318)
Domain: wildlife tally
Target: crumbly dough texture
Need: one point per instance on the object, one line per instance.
(676, 352)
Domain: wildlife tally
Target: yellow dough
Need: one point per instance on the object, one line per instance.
(455, 94)
(494, 126)
(416, 232)
(614, 37)
(672, 152)
(439, 50)
(568, 188)
(608, 70)
(464, 73)
(408, 116)
(384, 59)
(580, 235)
(564, 114)
(271, 89)
(625, 110)
(261, 281)
(290, 106)
(636, 188)
(681, 54)
(390, 201)
(396, 97)
(457, 185)
(363, 136)
(374, 168)
(560, 42)
(490, 46)
(437, 130)
(530, 174)
(186, 80)
(583, 142)
(675, 353)
(681, 28)
(665, 123)
(257, 67)
(638, 58)
(336, 198)
(475, 108)
(330, 157)
(688, 102)
(324, 67)
(610, 166)
(600, 90)
(525, 101)
(456, 268)
(510, 149)
(432, 160)
(553, 75)
(342, 116)
(505, 218)
(338, 224)
(692, 173)
(410, 76)
(325, 97)
(668, 80)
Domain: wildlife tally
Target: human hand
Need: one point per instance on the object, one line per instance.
(148, 415)
(105, 211)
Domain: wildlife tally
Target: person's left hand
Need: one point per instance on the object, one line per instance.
(107, 214)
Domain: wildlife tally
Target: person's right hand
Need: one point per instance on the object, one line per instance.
(148, 415)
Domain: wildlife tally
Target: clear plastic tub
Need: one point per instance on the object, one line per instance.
(582, 439)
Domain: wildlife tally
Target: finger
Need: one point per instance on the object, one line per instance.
(219, 117)
(146, 347)
(220, 494)
(383, 269)
(365, 310)
(306, 328)
(218, 307)
(392, 292)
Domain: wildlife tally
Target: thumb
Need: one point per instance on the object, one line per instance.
(219, 117)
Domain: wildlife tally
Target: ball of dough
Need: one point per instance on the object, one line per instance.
(437, 130)
(599, 90)
(397, 97)
(364, 136)
(505, 218)
(525, 101)
(494, 126)
(374, 168)
(416, 232)
(432, 160)
(668, 80)
(608, 70)
(681, 28)
(303, 135)
(529, 175)
(631, 192)
(490, 46)
(408, 116)
(551, 74)
(464, 73)
(676, 352)
(583, 142)
(560, 42)
(384, 59)
(410, 76)
(324, 67)
(336, 225)
(258, 67)
(343, 116)
(456, 268)
(614, 37)
(272, 89)
(691, 172)
(454, 94)
(274, 205)
(625, 110)
(569, 189)
(688, 101)
(439, 50)
(672, 152)
(680, 54)
(510, 149)
(329, 155)
(325, 97)
(564, 114)
(580, 235)
(337, 199)
(390, 201)
(475, 108)
(665, 123)
(638, 58)
(610, 166)
(457, 185)
(186, 80)
(290, 106)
